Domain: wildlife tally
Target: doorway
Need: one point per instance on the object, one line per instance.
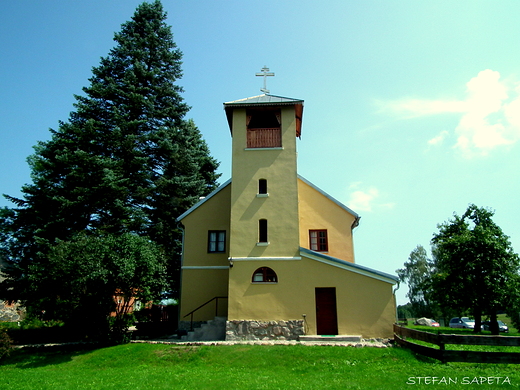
(326, 312)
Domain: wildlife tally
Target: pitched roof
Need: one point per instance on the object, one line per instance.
(359, 269)
(349, 210)
(307, 252)
(262, 100)
(228, 182)
(203, 200)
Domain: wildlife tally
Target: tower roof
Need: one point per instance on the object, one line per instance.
(265, 100)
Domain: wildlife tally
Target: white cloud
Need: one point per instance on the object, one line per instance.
(438, 140)
(365, 199)
(490, 114)
(477, 134)
(512, 112)
(413, 108)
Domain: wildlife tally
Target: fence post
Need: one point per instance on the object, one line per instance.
(442, 348)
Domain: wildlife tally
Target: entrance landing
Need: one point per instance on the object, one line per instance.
(332, 338)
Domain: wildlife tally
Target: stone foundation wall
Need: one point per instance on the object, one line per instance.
(264, 330)
(10, 313)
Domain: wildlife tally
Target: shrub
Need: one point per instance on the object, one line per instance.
(36, 323)
(5, 343)
(37, 331)
(119, 328)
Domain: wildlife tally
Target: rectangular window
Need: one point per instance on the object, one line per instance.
(216, 241)
(262, 230)
(262, 186)
(318, 240)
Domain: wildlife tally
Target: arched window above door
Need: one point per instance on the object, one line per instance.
(264, 275)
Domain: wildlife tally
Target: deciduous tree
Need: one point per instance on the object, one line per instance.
(416, 274)
(476, 268)
(91, 278)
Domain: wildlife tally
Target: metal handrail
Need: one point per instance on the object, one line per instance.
(201, 306)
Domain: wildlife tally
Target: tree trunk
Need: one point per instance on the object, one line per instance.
(478, 320)
(493, 324)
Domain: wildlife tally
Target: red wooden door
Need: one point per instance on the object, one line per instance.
(326, 314)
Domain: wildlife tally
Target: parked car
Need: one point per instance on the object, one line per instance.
(426, 322)
(462, 322)
(502, 327)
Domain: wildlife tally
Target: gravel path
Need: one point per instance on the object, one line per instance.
(364, 343)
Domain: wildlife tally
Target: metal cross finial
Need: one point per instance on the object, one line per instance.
(265, 72)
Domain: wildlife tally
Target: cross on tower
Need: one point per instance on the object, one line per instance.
(265, 72)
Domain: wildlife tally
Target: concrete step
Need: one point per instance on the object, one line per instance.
(211, 331)
(331, 339)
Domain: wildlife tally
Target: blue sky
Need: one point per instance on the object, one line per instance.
(412, 108)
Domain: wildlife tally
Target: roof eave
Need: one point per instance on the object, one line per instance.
(356, 268)
(349, 210)
(265, 100)
(202, 201)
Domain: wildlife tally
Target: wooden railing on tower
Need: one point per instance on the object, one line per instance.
(264, 138)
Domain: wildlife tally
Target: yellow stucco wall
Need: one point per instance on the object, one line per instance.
(198, 287)
(365, 306)
(280, 208)
(211, 215)
(319, 212)
(205, 282)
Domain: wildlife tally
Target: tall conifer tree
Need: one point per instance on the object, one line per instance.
(126, 161)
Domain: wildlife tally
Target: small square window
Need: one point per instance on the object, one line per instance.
(216, 241)
(318, 240)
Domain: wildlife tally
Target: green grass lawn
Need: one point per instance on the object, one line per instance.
(160, 366)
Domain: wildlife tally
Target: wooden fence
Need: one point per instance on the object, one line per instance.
(401, 333)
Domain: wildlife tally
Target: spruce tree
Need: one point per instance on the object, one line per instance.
(126, 161)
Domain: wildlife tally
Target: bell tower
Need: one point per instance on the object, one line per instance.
(264, 189)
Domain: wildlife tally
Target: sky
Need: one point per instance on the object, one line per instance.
(412, 108)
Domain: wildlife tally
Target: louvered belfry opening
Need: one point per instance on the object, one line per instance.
(264, 128)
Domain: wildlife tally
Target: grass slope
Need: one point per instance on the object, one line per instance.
(158, 366)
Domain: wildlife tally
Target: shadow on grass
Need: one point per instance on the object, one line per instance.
(34, 357)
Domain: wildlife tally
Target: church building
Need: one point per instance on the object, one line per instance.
(270, 254)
